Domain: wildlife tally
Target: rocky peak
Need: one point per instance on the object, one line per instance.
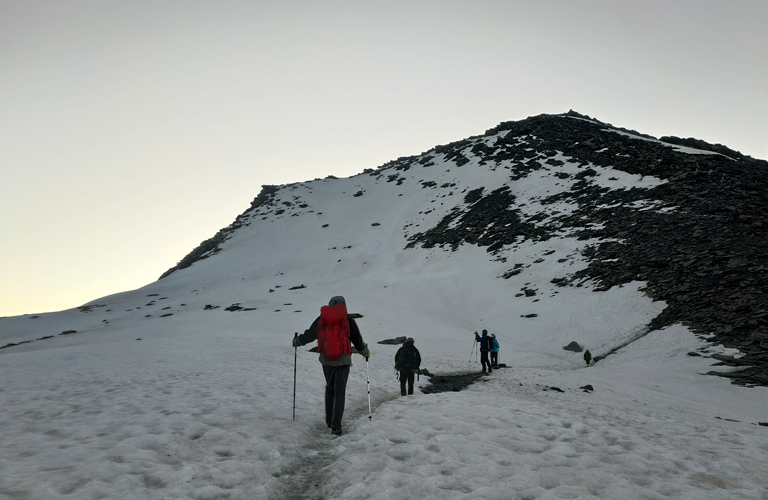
(686, 217)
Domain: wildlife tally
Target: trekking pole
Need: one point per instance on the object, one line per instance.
(295, 350)
(472, 351)
(368, 381)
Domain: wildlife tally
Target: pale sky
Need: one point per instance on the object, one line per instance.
(130, 131)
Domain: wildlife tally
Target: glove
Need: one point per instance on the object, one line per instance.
(295, 342)
(367, 353)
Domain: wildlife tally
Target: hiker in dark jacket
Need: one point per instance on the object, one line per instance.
(336, 370)
(485, 343)
(407, 362)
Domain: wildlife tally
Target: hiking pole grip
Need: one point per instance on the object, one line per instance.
(295, 350)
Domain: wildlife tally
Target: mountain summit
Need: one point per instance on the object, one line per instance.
(686, 217)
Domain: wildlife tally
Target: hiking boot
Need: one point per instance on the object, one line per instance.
(336, 431)
(402, 394)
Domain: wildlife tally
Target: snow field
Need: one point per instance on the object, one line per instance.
(188, 415)
(502, 440)
(144, 419)
(201, 406)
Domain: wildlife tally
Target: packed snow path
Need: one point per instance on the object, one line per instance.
(305, 477)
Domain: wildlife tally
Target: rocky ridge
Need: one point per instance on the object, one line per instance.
(685, 237)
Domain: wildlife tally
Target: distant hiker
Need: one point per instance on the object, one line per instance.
(494, 351)
(407, 362)
(484, 348)
(334, 330)
(588, 357)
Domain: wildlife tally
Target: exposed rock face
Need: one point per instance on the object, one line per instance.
(710, 268)
(470, 225)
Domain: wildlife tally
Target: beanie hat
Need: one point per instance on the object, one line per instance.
(485, 332)
(409, 339)
(337, 300)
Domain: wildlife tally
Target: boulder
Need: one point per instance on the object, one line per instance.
(395, 341)
(574, 347)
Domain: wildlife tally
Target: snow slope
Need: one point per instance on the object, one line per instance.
(200, 407)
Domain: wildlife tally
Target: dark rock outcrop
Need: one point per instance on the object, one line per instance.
(710, 267)
(574, 347)
(394, 341)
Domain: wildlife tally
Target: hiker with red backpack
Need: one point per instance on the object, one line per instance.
(334, 330)
(407, 362)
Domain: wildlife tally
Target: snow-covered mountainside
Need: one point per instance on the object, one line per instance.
(553, 229)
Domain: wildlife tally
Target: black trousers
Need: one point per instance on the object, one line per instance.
(406, 376)
(335, 392)
(484, 360)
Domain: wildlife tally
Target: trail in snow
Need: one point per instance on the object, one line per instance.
(302, 478)
(642, 332)
(305, 476)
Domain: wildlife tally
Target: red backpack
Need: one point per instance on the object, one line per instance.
(333, 332)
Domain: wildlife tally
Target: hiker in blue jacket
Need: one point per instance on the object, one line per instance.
(484, 348)
(494, 351)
